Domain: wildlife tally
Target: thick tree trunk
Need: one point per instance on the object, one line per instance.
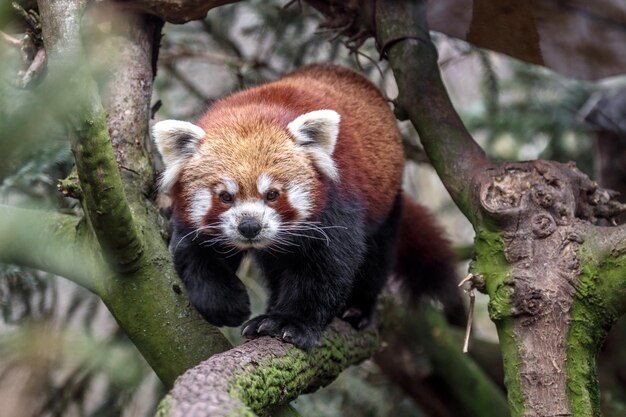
(606, 114)
(547, 299)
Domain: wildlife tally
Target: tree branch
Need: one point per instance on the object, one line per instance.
(266, 372)
(175, 11)
(127, 55)
(402, 35)
(605, 256)
(262, 373)
(106, 205)
(52, 242)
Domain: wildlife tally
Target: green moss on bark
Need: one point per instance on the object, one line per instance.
(594, 311)
(106, 204)
(491, 264)
(277, 379)
(165, 406)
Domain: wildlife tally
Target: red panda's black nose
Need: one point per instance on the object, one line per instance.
(249, 227)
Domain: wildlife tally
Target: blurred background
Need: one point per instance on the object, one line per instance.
(62, 354)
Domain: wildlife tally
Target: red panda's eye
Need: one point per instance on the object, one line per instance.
(226, 197)
(271, 195)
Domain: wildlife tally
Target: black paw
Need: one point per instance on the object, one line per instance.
(289, 329)
(356, 318)
(231, 310)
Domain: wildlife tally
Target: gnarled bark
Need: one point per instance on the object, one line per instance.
(551, 315)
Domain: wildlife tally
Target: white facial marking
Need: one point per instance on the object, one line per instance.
(200, 205)
(231, 185)
(266, 216)
(300, 199)
(263, 183)
(227, 184)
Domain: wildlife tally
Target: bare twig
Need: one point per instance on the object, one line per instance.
(470, 320)
(168, 57)
(11, 40)
(35, 69)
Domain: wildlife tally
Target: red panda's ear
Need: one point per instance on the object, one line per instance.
(176, 141)
(317, 133)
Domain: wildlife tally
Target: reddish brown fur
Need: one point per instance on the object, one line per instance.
(247, 135)
(424, 253)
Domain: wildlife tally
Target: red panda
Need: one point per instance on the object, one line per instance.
(304, 173)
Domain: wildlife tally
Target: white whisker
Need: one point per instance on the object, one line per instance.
(197, 231)
(308, 237)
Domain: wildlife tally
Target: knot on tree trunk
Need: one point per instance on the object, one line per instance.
(551, 192)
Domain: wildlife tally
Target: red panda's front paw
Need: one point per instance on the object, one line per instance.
(289, 329)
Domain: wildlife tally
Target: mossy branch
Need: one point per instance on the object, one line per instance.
(266, 372)
(103, 193)
(605, 252)
(52, 242)
(260, 374)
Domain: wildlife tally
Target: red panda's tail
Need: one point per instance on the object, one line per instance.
(425, 262)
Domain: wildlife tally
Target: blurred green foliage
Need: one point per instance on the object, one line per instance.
(531, 113)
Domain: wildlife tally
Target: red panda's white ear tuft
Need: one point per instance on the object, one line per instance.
(176, 141)
(317, 133)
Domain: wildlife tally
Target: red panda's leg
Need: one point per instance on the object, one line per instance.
(377, 265)
(312, 284)
(208, 273)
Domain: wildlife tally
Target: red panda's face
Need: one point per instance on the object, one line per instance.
(248, 205)
(250, 187)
